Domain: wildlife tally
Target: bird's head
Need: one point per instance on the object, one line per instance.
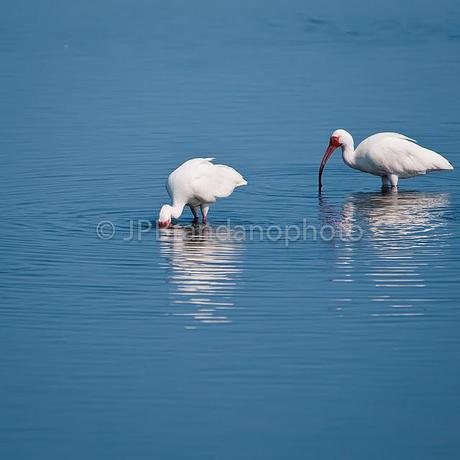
(164, 219)
(339, 138)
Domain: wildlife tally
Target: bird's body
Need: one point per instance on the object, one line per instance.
(197, 183)
(391, 156)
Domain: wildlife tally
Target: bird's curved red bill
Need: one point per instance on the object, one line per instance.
(327, 154)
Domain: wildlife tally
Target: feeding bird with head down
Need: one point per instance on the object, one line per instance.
(197, 183)
(391, 156)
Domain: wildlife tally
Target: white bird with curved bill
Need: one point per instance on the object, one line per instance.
(391, 156)
(197, 183)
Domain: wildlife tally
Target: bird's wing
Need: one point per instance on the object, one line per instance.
(215, 181)
(178, 183)
(380, 136)
(398, 155)
(203, 160)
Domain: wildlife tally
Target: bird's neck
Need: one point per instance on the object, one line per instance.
(348, 153)
(177, 209)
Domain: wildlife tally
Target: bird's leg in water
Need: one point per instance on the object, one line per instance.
(393, 180)
(204, 213)
(194, 210)
(385, 182)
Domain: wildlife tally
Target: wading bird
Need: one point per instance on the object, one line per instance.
(197, 183)
(391, 156)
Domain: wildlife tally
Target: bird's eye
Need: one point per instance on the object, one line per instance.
(335, 141)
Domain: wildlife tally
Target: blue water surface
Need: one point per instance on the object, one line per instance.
(194, 344)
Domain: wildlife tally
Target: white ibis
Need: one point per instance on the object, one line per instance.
(389, 155)
(198, 183)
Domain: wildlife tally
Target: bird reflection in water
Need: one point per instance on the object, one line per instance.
(403, 233)
(205, 266)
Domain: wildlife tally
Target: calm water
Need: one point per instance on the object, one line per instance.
(182, 344)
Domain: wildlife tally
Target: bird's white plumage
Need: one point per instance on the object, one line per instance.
(384, 154)
(215, 181)
(389, 155)
(199, 182)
